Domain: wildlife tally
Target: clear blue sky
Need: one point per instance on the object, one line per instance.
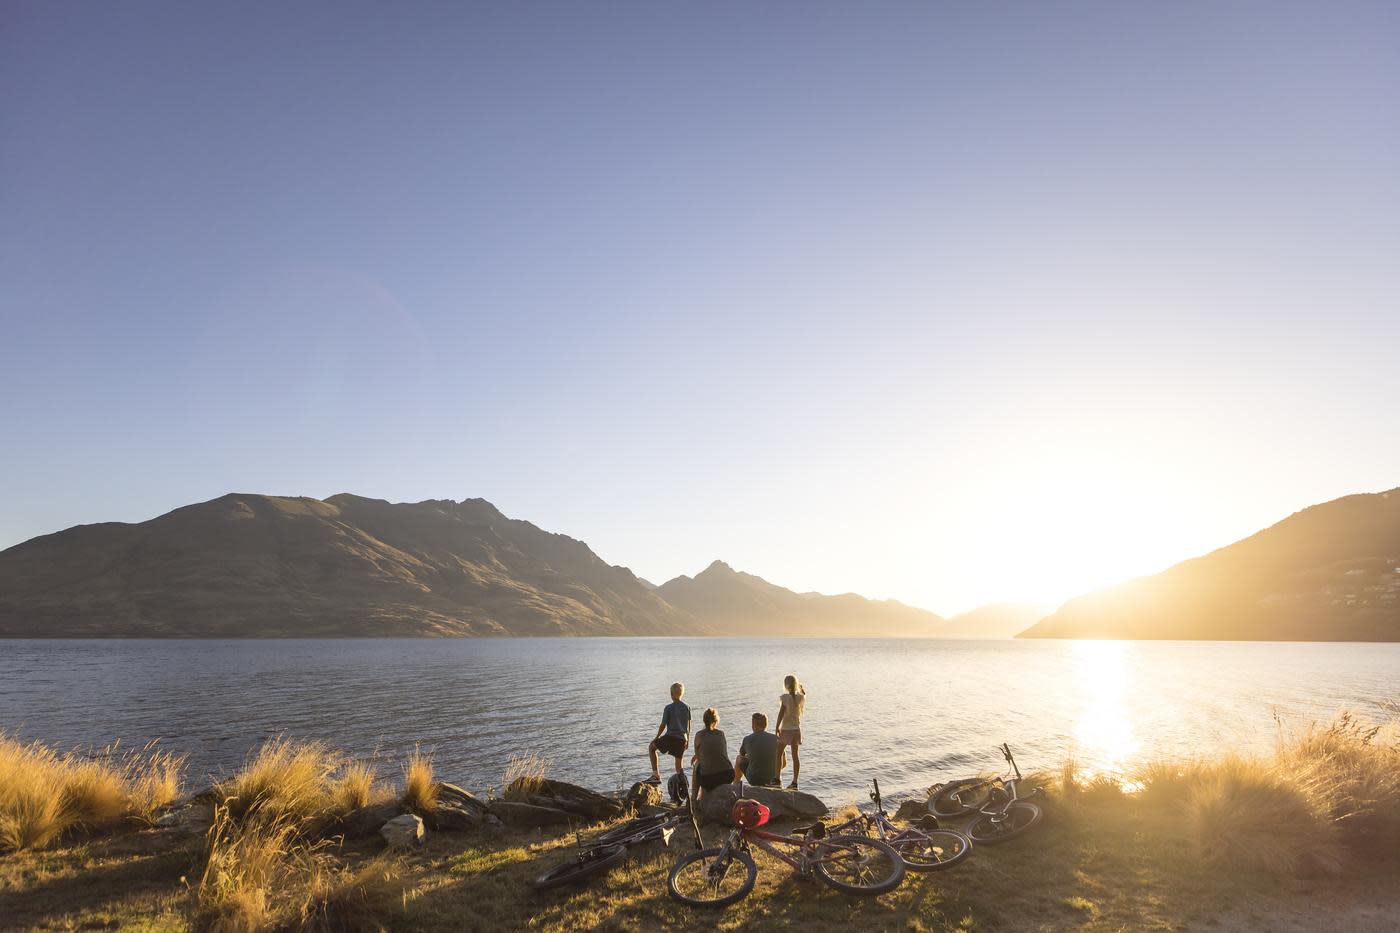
(943, 302)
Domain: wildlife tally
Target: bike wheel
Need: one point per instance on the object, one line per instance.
(592, 862)
(1019, 817)
(931, 849)
(713, 877)
(859, 865)
(630, 829)
(946, 801)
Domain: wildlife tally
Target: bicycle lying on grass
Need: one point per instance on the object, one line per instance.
(718, 877)
(1004, 812)
(922, 848)
(610, 848)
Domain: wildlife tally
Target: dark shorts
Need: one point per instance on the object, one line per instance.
(715, 779)
(671, 745)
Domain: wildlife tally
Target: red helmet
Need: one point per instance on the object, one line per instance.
(749, 814)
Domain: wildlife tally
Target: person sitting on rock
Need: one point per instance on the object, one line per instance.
(673, 735)
(758, 755)
(712, 765)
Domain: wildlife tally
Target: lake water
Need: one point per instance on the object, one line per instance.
(908, 711)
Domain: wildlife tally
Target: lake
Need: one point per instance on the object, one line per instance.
(908, 711)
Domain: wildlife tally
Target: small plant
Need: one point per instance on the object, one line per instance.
(419, 790)
(342, 900)
(525, 775)
(354, 787)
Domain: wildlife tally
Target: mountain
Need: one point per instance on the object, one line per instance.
(1328, 573)
(997, 620)
(254, 565)
(733, 603)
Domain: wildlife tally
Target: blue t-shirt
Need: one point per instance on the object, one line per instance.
(676, 716)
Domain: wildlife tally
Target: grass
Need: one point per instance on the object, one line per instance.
(525, 775)
(420, 791)
(1233, 842)
(44, 794)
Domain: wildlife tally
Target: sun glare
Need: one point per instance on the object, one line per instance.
(1103, 730)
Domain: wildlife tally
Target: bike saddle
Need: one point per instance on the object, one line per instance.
(817, 830)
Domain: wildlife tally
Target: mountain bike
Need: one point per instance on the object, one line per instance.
(1003, 811)
(603, 851)
(923, 848)
(721, 876)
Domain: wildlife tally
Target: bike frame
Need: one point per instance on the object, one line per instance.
(763, 839)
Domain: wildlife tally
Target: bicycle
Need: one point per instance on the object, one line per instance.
(850, 864)
(924, 848)
(1004, 812)
(609, 848)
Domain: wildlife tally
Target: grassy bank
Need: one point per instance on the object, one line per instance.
(1305, 836)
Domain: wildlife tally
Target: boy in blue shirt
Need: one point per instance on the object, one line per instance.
(673, 735)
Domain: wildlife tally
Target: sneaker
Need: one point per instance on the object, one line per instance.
(654, 779)
(792, 786)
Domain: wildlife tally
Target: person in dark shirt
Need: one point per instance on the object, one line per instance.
(758, 755)
(673, 735)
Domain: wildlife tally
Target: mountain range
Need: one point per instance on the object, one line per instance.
(1328, 573)
(247, 565)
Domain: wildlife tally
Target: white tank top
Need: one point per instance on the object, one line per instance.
(793, 705)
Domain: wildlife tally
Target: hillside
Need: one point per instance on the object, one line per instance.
(733, 603)
(254, 565)
(997, 620)
(1328, 573)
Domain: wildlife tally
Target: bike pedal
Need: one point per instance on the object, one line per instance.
(666, 835)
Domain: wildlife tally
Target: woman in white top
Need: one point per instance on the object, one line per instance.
(789, 726)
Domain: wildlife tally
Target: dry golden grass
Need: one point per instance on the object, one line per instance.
(419, 789)
(354, 787)
(247, 865)
(524, 776)
(350, 900)
(283, 780)
(44, 794)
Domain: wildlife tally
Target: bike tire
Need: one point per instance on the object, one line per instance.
(889, 882)
(739, 858)
(931, 849)
(987, 831)
(630, 830)
(594, 861)
(944, 803)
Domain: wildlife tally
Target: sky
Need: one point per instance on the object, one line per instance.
(950, 303)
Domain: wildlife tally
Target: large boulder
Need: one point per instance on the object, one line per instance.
(515, 813)
(457, 810)
(714, 807)
(571, 798)
(403, 832)
(365, 821)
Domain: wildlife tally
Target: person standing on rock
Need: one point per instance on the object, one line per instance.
(789, 726)
(673, 735)
(712, 765)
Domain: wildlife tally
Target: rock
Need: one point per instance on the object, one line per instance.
(457, 810)
(912, 810)
(403, 832)
(782, 804)
(574, 799)
(188, 819)
(642, 795)
(362, 823)
(514, 813)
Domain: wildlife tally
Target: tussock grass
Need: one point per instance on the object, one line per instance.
(419, 789)
(306, 784)
(44, 794)
(525, 775)
(352, 900)
(248, 861)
